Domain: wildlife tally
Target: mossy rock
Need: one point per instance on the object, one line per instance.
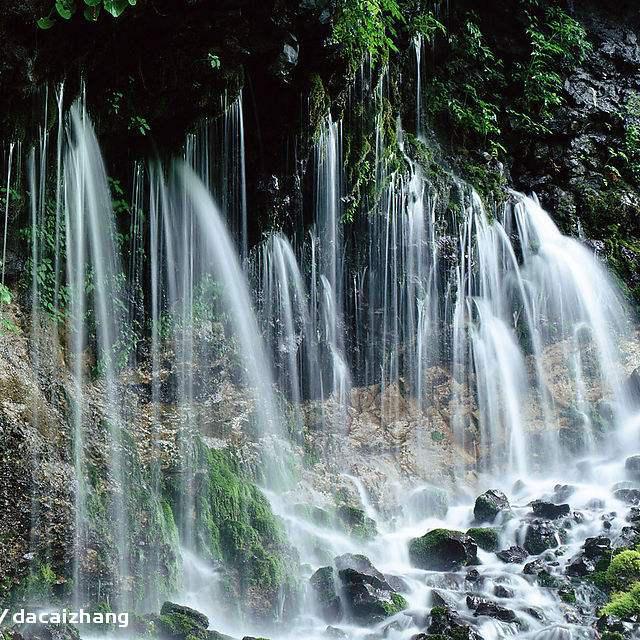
(487, 538)
(356, 522)
(443, 550)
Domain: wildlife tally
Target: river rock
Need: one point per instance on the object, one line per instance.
(550, 511)
(356, 522)
(446, 624)
(500, 591)
(358, 563)
(486, 538)
(540, 536)
(489, 505)
(513, 555)
(443, 550)
(586, 561)
(535, 567)
(369, 601)
(328, 603)
(493, 610)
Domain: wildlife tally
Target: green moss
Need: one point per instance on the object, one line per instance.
(356, 522)
(624, 604)
(567, 595)
(398, 603)
(37, 587)
(486, 538)
(236, 525)
(624, 570)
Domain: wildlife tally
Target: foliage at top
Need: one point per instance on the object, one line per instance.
(367, 26)
(91, 9)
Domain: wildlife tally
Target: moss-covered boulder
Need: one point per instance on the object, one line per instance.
(540, 536)
(369, 600)
(327, 602)
(443, 550)
(489, 505)
(178, 622)
(446, 624)
(486, 538)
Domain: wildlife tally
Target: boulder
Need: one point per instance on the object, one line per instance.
(356, 522)
(328, 604)
(550, 511)
(369, 601)
(534, 568)
(540, 536)
(493, 610)
(447, 624)
(500, 591)
(443, 550)
(358, 563)
(486, 538)
(489, 505)
(178, 622)
(513, 555)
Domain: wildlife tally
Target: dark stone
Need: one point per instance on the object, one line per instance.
(443, 550)
(493, 610)
(513, 555)
(535, 567)
(550, 511)
(489, 505)
(541, 535)
(446, 623)
(500, 591)
(486, 538)
(628, 537)
(473, 575)
(535, 613)
(328, 602)
(369, 601)
(170, 609)
(397, 583)
(358, 563)
(634, 515)
(441, 598)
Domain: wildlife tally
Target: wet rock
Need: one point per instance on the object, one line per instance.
(628, 537)
(540, 536)
(287, 60)
(358, 563)
(486, 538)
(535, 613)
(549, 511)
(634, 515)
(500, 591)
(489, 505)
(493, 610)
(42, 632)
(629, 496)
(328, 603)
(357, 522)
(429, 502)
(513, 555)
(594, 550)
(179, 622)
(441, 598)
(397, 583)
(610, 624)
(562, 492)
(447, 624)
(443, 550)
(534, 568)
(472, 576)
(632, 467)
(369, 600)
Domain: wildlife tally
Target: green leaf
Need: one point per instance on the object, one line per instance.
(93, 3)
(92, 13)
(115, 7)
(45, 23)
(133, 2)
(66, 8)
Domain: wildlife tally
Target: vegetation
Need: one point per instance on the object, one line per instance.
(90, 9)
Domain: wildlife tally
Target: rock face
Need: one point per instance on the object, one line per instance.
(489, 505)
(443, 550)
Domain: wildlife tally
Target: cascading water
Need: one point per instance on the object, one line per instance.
(427, 290)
